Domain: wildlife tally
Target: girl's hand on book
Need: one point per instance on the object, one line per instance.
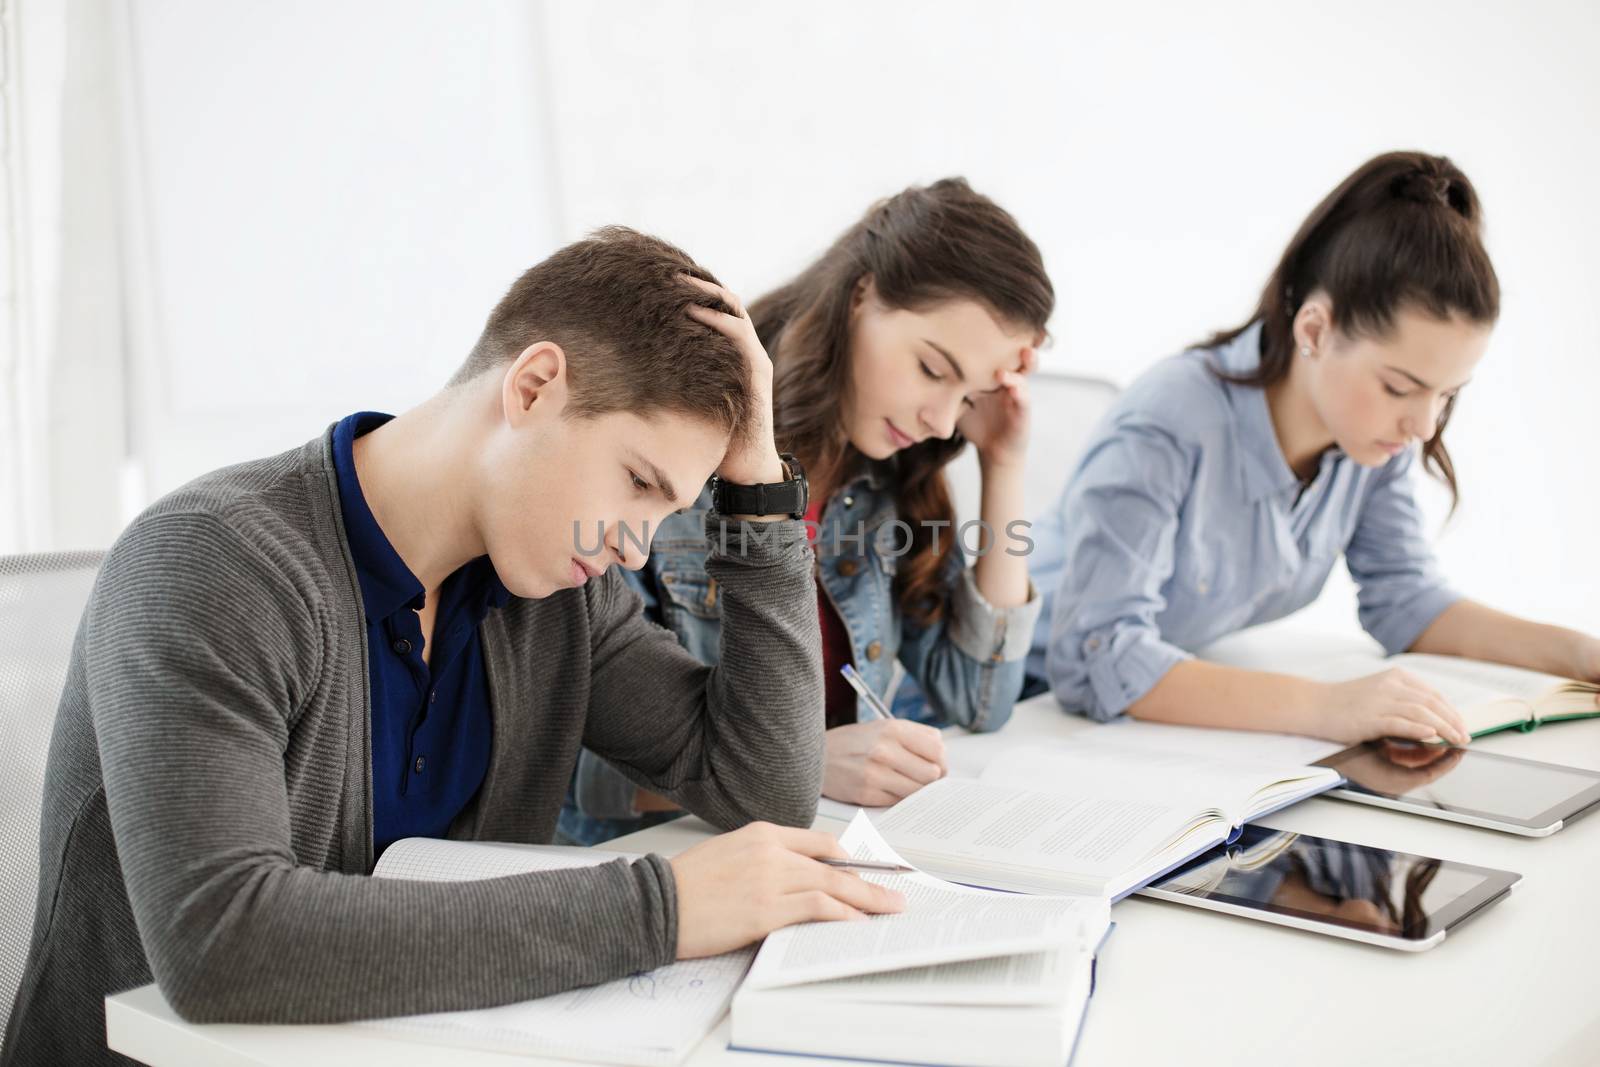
(877, 763)
(1395, 703)
(739, 887)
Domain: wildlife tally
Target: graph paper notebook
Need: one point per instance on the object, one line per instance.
(646, 1019)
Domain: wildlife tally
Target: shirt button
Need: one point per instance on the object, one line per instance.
(849, 500)
(875, 650)
(419, 764)
(433, 696)
(1093, 644)
(848, 567)
(402, 646)
(1203, 586)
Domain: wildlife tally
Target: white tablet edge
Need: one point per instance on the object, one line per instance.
(1311, 925)
(1401, 804)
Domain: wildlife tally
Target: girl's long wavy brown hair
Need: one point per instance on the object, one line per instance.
(1405, 230)
(920, 247)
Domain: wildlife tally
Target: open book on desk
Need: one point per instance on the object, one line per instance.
(963, 976)
(1490, 696)
(1089, 814)
(653, 1018)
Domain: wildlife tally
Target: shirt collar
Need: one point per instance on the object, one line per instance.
(387, 584)
(1261, 461)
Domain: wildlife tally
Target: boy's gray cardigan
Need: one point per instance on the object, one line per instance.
(208, 812)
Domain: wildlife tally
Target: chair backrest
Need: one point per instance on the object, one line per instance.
(1065, 409)
(41, 600)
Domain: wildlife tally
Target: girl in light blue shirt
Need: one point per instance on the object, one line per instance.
(1225, 485)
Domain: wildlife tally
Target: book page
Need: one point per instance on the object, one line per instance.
(1027, 978)
(1084, 833)
(648, 1018)
(942, 923)
(1158, 767)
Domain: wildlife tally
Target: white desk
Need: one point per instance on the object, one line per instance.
(1515, 985)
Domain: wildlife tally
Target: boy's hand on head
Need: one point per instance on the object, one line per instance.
(754, 458)
(739, 887)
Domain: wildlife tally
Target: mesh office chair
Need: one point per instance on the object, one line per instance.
(41, 601)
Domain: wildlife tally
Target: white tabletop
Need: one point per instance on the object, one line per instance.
(1515, 985)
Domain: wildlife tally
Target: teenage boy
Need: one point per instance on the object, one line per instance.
(408, 627)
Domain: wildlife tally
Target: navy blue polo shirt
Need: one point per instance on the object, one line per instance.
(430, 721)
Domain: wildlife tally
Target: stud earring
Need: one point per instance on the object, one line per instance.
(1305, 350)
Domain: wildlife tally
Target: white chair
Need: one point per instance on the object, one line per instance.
(41, 601)
(1066, 408)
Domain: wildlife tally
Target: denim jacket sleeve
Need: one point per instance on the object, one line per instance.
(1400, 589)
(1118, 526)
(969, 664)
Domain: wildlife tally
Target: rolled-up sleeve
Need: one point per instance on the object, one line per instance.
(1401, 590)
(985, 632)
(1118, 523)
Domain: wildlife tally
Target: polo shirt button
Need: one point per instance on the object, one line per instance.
(402, 646)
(875, 650)
(847, 567)
(419, 764)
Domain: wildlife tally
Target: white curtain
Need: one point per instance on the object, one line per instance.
(62, 353)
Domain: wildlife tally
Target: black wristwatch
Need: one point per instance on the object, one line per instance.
(788, 497)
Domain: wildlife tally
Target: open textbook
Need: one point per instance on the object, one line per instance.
(962, 976)
(1090, 814)
(650, 1018)
(1490, 697)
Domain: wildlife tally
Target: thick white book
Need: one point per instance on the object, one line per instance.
(1090, 814)
(963, 976)
(649, 1019)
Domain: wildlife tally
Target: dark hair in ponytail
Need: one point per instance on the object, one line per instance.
(924, 245)
(1404, 231)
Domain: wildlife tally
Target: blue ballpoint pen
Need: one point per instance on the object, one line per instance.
(868, 698)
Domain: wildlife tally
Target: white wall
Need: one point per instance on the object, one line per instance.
(331, 198)
(1161, 153)
(334, 194)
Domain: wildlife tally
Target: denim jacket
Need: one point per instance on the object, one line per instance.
(968, 665)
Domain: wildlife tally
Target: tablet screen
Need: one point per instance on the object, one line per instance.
(1395, 894)
(1467, 780)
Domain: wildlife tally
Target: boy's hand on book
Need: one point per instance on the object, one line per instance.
(878, 763)
(739, 887)
(1395, 703)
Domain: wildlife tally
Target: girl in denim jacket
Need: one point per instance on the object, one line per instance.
(907, 340)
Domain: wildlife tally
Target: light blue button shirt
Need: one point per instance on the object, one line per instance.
(1183, 523)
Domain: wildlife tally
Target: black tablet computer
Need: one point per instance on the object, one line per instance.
(1467, 785)
(1378, 896)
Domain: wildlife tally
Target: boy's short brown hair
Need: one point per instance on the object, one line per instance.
(616, 305)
